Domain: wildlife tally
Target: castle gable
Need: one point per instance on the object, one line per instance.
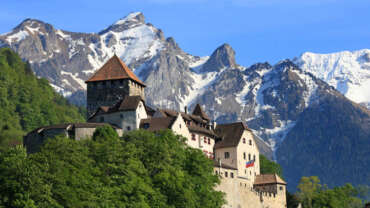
(230, 134)
(114, 69)
(199, 112)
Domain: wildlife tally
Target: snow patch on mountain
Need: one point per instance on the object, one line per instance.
(18, 36)
(348, 72)
(201, 82)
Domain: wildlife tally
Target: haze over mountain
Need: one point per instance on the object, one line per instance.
(281, 102)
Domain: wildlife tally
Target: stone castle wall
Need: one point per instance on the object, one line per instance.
(239, 194)
(109, 92)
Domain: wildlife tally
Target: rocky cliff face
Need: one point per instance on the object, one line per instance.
(274, 100)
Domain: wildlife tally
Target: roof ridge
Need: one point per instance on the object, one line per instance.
(114, 69)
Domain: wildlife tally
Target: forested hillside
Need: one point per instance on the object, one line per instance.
(142, 169)
(28, 102)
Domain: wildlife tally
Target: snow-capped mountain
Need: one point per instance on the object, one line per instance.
(348, 72)
(279, 102)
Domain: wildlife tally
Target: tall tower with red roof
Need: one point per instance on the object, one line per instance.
(111, 83)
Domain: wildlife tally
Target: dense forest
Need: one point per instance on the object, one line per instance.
(28, 102)
(141, 169)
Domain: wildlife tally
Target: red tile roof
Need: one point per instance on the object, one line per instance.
(112, 70)
(268, 179)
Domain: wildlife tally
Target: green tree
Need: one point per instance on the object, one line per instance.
(307, 190)
(28, 102)
(313, 194)
(142, 169)
(270, 167)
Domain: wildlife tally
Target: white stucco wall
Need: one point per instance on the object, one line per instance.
(180, 128)
(251, 150)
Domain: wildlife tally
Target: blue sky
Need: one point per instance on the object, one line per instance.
(258, 30)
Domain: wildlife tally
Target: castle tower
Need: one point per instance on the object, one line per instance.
(111, 83)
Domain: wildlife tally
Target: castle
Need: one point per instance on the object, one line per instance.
(115, 96)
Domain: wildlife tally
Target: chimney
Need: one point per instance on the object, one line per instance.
(186, 109)
(214, 124)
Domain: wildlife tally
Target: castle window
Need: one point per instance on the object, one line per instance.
(227, 155)
(102, 119)
(244, 155)
(254, 157)
(209, 141)
(250, 172)
(249, 156)
(193, 137)
(180, 126)
(243, 140)
(250, 142)
(226, 174)
(232, 175)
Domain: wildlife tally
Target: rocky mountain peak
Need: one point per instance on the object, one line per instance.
(32, 25)
(222, 57)
(172, 45)
(134, 17)
(131, 20)
(286, 64)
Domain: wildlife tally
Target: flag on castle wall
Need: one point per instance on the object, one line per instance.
(249, 164)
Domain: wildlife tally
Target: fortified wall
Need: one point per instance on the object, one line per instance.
(240, 194)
